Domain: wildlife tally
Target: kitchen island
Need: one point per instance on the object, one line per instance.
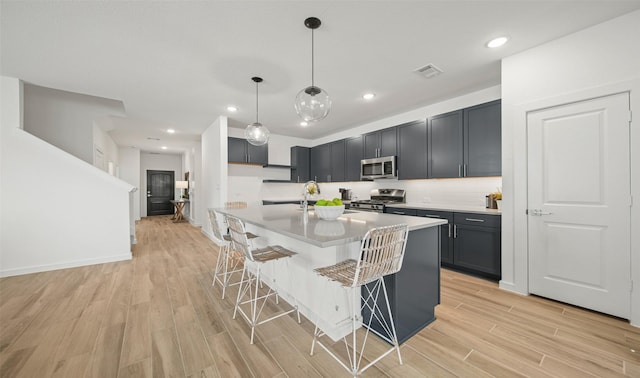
(413, 292)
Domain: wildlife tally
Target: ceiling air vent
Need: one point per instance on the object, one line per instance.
(428, 71)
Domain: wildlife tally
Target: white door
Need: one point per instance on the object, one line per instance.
(579, 203)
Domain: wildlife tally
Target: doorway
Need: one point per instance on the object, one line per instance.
(579, 203)
(160, 190)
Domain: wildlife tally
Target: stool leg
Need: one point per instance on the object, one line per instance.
(235, 310)
(225, 279)
(254, 304)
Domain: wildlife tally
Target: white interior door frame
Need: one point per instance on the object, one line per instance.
(515, 264)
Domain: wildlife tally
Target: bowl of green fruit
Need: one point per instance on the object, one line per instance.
(329, 209)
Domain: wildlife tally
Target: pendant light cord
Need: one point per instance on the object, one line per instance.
(312, 59)
(257, 102)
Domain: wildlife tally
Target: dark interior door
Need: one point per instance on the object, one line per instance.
(160, 190)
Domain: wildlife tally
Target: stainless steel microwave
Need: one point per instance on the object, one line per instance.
(382, 167)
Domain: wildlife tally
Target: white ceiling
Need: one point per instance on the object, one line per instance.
(178, 64)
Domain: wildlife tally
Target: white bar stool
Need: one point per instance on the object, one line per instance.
(228, 261)
(381, 254)
(250, 282)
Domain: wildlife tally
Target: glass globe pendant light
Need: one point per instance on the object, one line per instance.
(312, 103)
(255, 133)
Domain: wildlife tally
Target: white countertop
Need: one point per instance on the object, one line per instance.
(432, 206)
(350, 227)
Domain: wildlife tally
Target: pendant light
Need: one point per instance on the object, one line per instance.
(255, 133)
(312, 103)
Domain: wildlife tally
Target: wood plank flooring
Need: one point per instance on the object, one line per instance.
(158, 315)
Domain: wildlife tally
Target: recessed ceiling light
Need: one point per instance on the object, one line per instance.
(171, 131)
(497, 42)
(304, 124)
(232, 108)
(164, 147)
(368, 96)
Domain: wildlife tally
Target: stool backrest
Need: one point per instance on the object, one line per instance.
(215, 224)
(239, 240)
(381, 253)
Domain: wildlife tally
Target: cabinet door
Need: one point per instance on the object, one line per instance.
(389, 142)
(257, 154)
(353, 154)
(371, 145)
(337, 172)
(300, 164)
(412, 150)
(446, 233)
(446, 145)
(482, 140)
(236, 150)
(321, 162)
(477, 248)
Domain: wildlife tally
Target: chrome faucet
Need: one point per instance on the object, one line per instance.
(310, 187)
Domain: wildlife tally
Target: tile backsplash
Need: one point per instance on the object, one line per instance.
(249, 187)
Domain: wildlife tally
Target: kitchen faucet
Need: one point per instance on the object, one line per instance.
(310, 187)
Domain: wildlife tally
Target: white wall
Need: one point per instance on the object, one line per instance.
(158, 162)
(214, 170)
(597, 61)
(57, 210)
(66, 119)
(103, 141)
(130, 172)
(192, 163)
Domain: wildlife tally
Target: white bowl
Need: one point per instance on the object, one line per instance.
(329, 212)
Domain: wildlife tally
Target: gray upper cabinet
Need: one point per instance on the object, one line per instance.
(483, 140)
(321, 162)
(300, 164)
(412, 150)
(328, 162)
(241, 151)
(466, 143)
(446, 145)
(381, 143)
(338, 156)
(354, 154)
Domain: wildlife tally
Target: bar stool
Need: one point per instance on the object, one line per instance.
(228, 261)
(250, 282)
(381, 254)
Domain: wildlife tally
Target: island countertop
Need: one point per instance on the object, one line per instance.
(351, 226)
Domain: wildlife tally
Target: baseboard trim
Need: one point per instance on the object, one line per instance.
(65, 265)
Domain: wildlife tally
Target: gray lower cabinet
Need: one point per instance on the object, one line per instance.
(300, 168)
(476, 245)
(241, 151)
(446, 232)
(353, 156)
(412, 150)
(470, 242)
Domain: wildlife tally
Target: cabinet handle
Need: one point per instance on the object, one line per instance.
(431, 216)
(455, 231)
(449, 229)
(464, 170)
(329, 178)
(459, 170)
(399, 212)
(474, 220)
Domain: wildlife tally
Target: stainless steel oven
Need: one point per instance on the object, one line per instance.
(380, 198)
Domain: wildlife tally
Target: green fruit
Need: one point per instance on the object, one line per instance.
(330, 203)
(337, 201)
(321, 203)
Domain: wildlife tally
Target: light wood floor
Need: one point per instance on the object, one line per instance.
(158, 315)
